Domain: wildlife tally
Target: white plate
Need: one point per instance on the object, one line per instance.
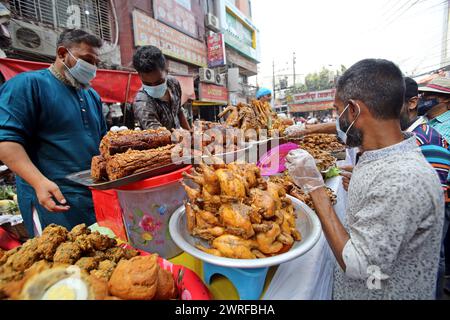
(307, 223)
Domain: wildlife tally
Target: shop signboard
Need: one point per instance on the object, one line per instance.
(216, 51)
(317, 96)
(177, 14)
(213, 93)
(148, 31)
(239, 32)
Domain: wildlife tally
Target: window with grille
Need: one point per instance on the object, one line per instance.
(92, 15)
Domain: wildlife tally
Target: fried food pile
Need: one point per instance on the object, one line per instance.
(33, 270)
(238, 213)
(290, 188)
(209, 139)
(253, 118)
(322, 142)
(128, 152)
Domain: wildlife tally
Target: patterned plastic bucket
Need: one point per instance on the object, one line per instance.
(147, 207)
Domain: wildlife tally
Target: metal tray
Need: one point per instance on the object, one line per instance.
(84, 178)
(307, 223)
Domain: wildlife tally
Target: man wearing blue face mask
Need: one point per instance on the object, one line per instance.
(158, 103)
(51, 126)
(388, 247)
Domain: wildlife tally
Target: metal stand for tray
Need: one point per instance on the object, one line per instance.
(248, 282)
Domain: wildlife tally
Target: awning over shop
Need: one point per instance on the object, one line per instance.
(113, 86)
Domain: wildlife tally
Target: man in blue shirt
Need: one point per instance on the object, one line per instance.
(51, 125)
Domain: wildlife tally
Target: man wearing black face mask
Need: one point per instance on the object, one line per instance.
(434, 104)
(389, 247)
(51, 126)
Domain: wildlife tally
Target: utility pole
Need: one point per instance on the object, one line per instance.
(445, 41)
(293, 65)
(274, 83)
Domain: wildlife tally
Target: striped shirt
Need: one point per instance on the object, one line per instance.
(435, 149)
(442, 125)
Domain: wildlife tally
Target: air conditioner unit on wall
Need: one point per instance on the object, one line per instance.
(34, 39)
(212, 22)
(207, 75)
(220, 79)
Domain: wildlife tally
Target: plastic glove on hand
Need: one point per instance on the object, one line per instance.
(303, 170)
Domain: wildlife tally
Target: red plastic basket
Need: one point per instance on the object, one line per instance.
(109, 212)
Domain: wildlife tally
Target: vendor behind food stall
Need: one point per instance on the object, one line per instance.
(51, 124)
(264, 95)
(158, 103)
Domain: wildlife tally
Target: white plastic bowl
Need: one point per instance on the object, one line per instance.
(307, 223)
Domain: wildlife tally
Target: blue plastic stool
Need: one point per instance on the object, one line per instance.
(248, 282)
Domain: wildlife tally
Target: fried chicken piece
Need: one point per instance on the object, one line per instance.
(8, 254)
(105, 270)
(2, 253)
(87, 263)
(135, 279)
(67, 253)
(268, 243)
(115, 254)
(55, 229)
(235, 218)
(213, 252)
(263, 203)
(26, 256)
(231, 184)
(49, 242)
(77, 231)
(85, 243)
(98, 255)
(101, 242)
(234, 247)
(190, 218)
(209, 234)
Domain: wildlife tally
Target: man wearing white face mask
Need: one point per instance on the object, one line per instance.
(389, 246)
(158, 103)
(51, 126)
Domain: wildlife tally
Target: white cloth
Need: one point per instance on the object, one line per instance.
(309, 277)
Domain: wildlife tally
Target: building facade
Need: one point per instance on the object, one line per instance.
(31, 29)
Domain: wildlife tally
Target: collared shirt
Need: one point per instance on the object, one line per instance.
(395, 225)
(154, 113)
(442, 125)
(60, 128)
(435, 149)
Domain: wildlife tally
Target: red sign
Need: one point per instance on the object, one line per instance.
(213, 93)
(216, 51)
